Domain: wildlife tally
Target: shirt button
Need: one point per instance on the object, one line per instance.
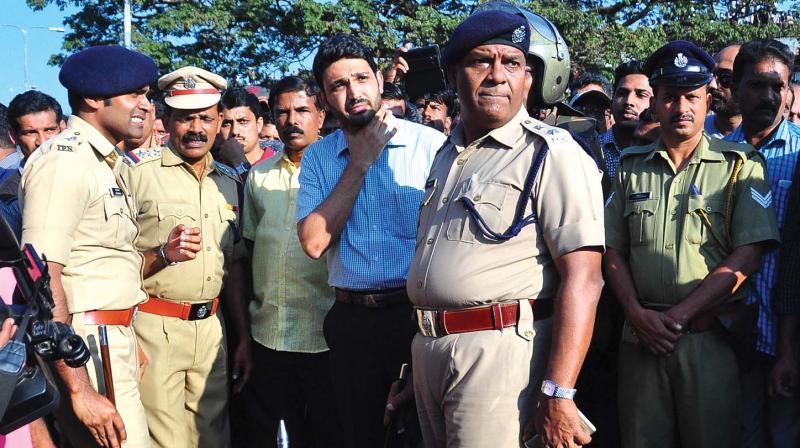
(208, 248)
(205, 216)
(180, 211)
(528, 333)
(460, 162)
(477, 198)
(444, 200)
(674, 211)
(208, 279)
(419, 284)
(430, 240)
(708, 209)
(669, 246)
(120, 209)
(374, 227)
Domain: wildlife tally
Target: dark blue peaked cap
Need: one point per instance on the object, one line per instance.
(679, 63)
(487, 27)
(107, 71)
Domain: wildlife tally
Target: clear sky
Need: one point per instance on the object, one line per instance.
(41, 44)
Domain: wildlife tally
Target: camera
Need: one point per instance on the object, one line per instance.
(34, 394)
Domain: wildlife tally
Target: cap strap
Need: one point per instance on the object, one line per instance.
(192, 92)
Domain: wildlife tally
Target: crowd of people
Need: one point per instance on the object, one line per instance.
(335, 262)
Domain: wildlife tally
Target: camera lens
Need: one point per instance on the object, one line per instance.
(73, 350)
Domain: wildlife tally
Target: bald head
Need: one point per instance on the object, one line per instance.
(722, 101)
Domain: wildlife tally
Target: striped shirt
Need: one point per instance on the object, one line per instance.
(611, 152)
(292, 295)
(377, 242)
(780, 151)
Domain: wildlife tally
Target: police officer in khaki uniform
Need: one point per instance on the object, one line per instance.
(78, 213)
(511, 205)
(185, 389)
(687, 223)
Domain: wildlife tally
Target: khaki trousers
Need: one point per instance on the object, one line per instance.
(476, 390)
(125, 372)
(185, 386)
(690, 398)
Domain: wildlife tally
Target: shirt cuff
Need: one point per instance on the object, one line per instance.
(572, 237)
(52, 244)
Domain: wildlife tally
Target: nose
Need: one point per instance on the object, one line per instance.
(713, 84)
(291, 117)
(195, 126)
(498, 72)
(41, 137)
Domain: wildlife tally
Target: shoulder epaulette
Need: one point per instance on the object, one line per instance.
(635, 150)
(66, 141)
(552, 135)
(142, 155)
(226, 170)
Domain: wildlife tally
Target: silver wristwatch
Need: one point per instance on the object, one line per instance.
(162, 252)
(551, 389)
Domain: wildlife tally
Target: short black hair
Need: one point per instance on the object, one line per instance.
(240, 97)
(648, 116)
(590, 77)
(294, 84)
(5, 140)
(757, 50)
(447, 97)
(392, 91)
(31, 102)
(161, 107)
(632, 67)
(341, 46)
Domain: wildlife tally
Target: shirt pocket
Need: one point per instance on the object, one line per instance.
(171, 215)
(228, 230)
(489, 199)
(641, 216)
(705, 222)
(120, 230)
(406, 210)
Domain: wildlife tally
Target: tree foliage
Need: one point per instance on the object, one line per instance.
(251, 41)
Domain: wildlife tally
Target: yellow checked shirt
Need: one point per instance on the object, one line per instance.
(292, 295)
(658, 217)
(454, 266)
(77, 212)
(168, 193)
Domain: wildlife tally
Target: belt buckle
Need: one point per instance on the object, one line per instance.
(369, 301)
(198, 311)
(426, 321)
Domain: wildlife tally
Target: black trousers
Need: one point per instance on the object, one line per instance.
(294, 387)
(368, 345)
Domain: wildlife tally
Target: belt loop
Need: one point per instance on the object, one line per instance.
(497, 315)
(525, 328)
(186, 310)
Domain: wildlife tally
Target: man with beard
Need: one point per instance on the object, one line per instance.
(291, 372)
(360, 192)
(761, 87)
(686, 224)
(183, 196)
(727, 116)
(632, 95)
(77, 211)
(438, 110)
(508, 257)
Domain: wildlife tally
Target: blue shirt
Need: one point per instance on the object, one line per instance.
(611, 152)
(780, 152)
(10, 164)
(375, 247)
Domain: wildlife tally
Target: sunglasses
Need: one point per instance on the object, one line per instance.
(724, 77)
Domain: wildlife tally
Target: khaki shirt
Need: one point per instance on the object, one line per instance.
(454, 266)
(167, 193)
(77, 212)
(655, 215)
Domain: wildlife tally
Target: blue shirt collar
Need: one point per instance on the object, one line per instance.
(780, 136)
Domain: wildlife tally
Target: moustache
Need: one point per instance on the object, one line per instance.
(292, 130)
(353, 103)
(681, 117)
(188, 138)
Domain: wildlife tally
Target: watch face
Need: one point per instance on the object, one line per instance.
(548, 388)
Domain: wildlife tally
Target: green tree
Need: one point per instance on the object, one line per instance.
(251, 41)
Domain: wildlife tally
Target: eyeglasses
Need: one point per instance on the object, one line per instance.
(724, 77)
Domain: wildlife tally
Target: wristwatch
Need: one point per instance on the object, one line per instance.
(162, 252)
(551, 389)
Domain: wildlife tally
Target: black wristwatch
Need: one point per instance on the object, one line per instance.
(162, 252)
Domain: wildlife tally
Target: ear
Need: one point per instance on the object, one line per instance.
(379, 76)
(219, 122)
(323, 99)
(259, 124)
(94, 104)
(11, 136)
(448, 123)
(322, 114)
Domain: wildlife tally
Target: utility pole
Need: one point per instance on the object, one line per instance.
(126, 17)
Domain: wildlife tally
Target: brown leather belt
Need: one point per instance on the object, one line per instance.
(110, 317)
(180, 310)
(436, 323)
(373, 299)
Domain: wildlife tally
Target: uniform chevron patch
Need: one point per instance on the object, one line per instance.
(764, 200)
